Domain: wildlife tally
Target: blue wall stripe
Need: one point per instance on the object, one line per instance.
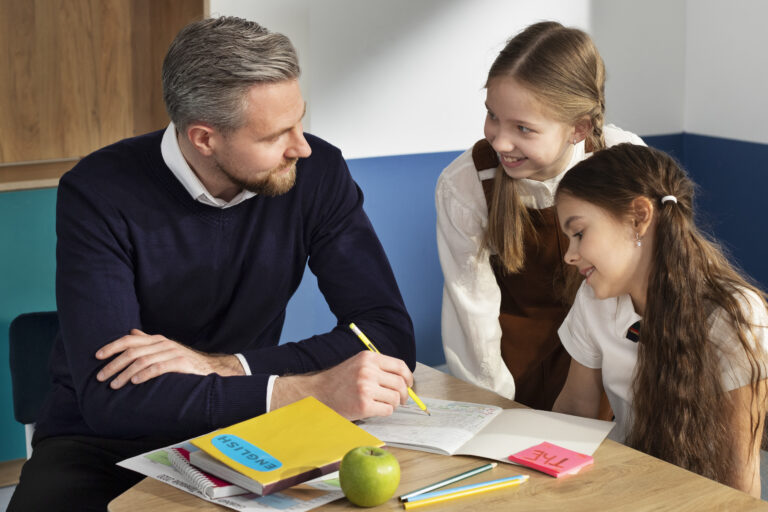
(672, 144)
(732, 176)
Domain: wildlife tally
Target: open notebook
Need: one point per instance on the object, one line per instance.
(463, 428)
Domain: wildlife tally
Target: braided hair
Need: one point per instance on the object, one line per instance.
(563, 69)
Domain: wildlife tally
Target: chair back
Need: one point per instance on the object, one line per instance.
(31, 337)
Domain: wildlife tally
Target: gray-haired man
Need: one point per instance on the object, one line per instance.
(177, 253)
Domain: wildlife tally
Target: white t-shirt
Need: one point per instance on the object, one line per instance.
(471, 295)
(594, 333)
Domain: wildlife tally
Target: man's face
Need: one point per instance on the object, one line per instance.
(261, 155)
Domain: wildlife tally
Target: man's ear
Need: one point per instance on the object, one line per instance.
(642, 215)
(200, 136)
(582, 128)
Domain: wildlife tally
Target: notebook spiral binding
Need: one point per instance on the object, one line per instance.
(190, 473)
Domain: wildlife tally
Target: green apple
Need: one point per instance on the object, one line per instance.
(369, 476)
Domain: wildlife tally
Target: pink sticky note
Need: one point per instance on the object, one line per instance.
(552, 459)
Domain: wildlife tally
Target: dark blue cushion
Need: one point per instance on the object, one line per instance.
(31, 338)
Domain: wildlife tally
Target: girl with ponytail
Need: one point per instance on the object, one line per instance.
(506, 286)
(663, 324)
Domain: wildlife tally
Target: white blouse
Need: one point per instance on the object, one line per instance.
(471, 297)
(594, 333)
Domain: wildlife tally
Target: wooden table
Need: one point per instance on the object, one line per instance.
(620, 479)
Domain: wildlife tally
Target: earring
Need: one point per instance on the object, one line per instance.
(575, 141)
(638, 243)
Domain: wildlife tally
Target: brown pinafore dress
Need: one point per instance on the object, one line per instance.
(532, 304)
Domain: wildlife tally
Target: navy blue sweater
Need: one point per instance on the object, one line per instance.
(136, 251)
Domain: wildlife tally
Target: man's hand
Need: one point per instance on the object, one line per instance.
(144, 357)
(365, 385)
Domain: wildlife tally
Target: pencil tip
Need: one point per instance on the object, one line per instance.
(426, 411)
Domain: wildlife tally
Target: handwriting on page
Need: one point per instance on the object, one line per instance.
(450, 425)
(552, 459)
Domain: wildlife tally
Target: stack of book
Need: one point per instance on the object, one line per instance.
(204, 482)
(285, 447)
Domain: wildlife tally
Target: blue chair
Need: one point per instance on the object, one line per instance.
(31, 337)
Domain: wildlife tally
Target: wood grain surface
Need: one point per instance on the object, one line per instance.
(77, 75)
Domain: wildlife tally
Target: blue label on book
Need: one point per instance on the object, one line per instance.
(243, 452)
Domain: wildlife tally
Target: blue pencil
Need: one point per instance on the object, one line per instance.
(447, 481)
(428, 495)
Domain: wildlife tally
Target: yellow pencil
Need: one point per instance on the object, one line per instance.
(370, 346)
(460, 492)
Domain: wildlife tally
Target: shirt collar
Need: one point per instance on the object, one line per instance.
(174, 159)
(541, 194)
(626, 315)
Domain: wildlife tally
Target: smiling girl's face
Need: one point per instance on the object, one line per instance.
(530, 142)
(605, 251)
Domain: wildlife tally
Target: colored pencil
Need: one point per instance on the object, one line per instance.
(431, 498)
(447, 481)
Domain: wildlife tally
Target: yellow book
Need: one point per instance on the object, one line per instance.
(284, 447)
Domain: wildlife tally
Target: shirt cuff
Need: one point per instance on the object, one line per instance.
(270, 386)
(270, 382)
(244, 363)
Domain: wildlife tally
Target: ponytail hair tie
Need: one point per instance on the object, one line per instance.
(668, 198)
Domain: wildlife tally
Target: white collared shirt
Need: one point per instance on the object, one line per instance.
(178, 165)
(174, 159)
(595, 334)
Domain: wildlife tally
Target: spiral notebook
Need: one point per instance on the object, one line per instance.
(207, 484)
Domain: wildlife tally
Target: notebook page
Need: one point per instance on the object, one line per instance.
(514, 430)
(450, 426)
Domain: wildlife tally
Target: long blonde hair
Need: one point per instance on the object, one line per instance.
(563, 69)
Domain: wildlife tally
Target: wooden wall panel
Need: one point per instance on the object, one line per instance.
(155, 24)
(76, 75)
(19, 126)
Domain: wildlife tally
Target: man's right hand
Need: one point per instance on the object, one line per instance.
(365, 385)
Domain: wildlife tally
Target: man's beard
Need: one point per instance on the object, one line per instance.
(277, 181)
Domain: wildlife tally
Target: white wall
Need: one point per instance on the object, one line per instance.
(406, 76)
(399, 76)
(643, 46)
(727, 69)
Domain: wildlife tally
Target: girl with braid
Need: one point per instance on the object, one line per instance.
(663, 324)
(506, 286)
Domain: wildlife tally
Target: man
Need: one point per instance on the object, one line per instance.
(177, 253)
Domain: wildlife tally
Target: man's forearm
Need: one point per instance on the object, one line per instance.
(139, 357)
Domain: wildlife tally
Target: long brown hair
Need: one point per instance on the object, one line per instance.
(680, 411)
(563, 69)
